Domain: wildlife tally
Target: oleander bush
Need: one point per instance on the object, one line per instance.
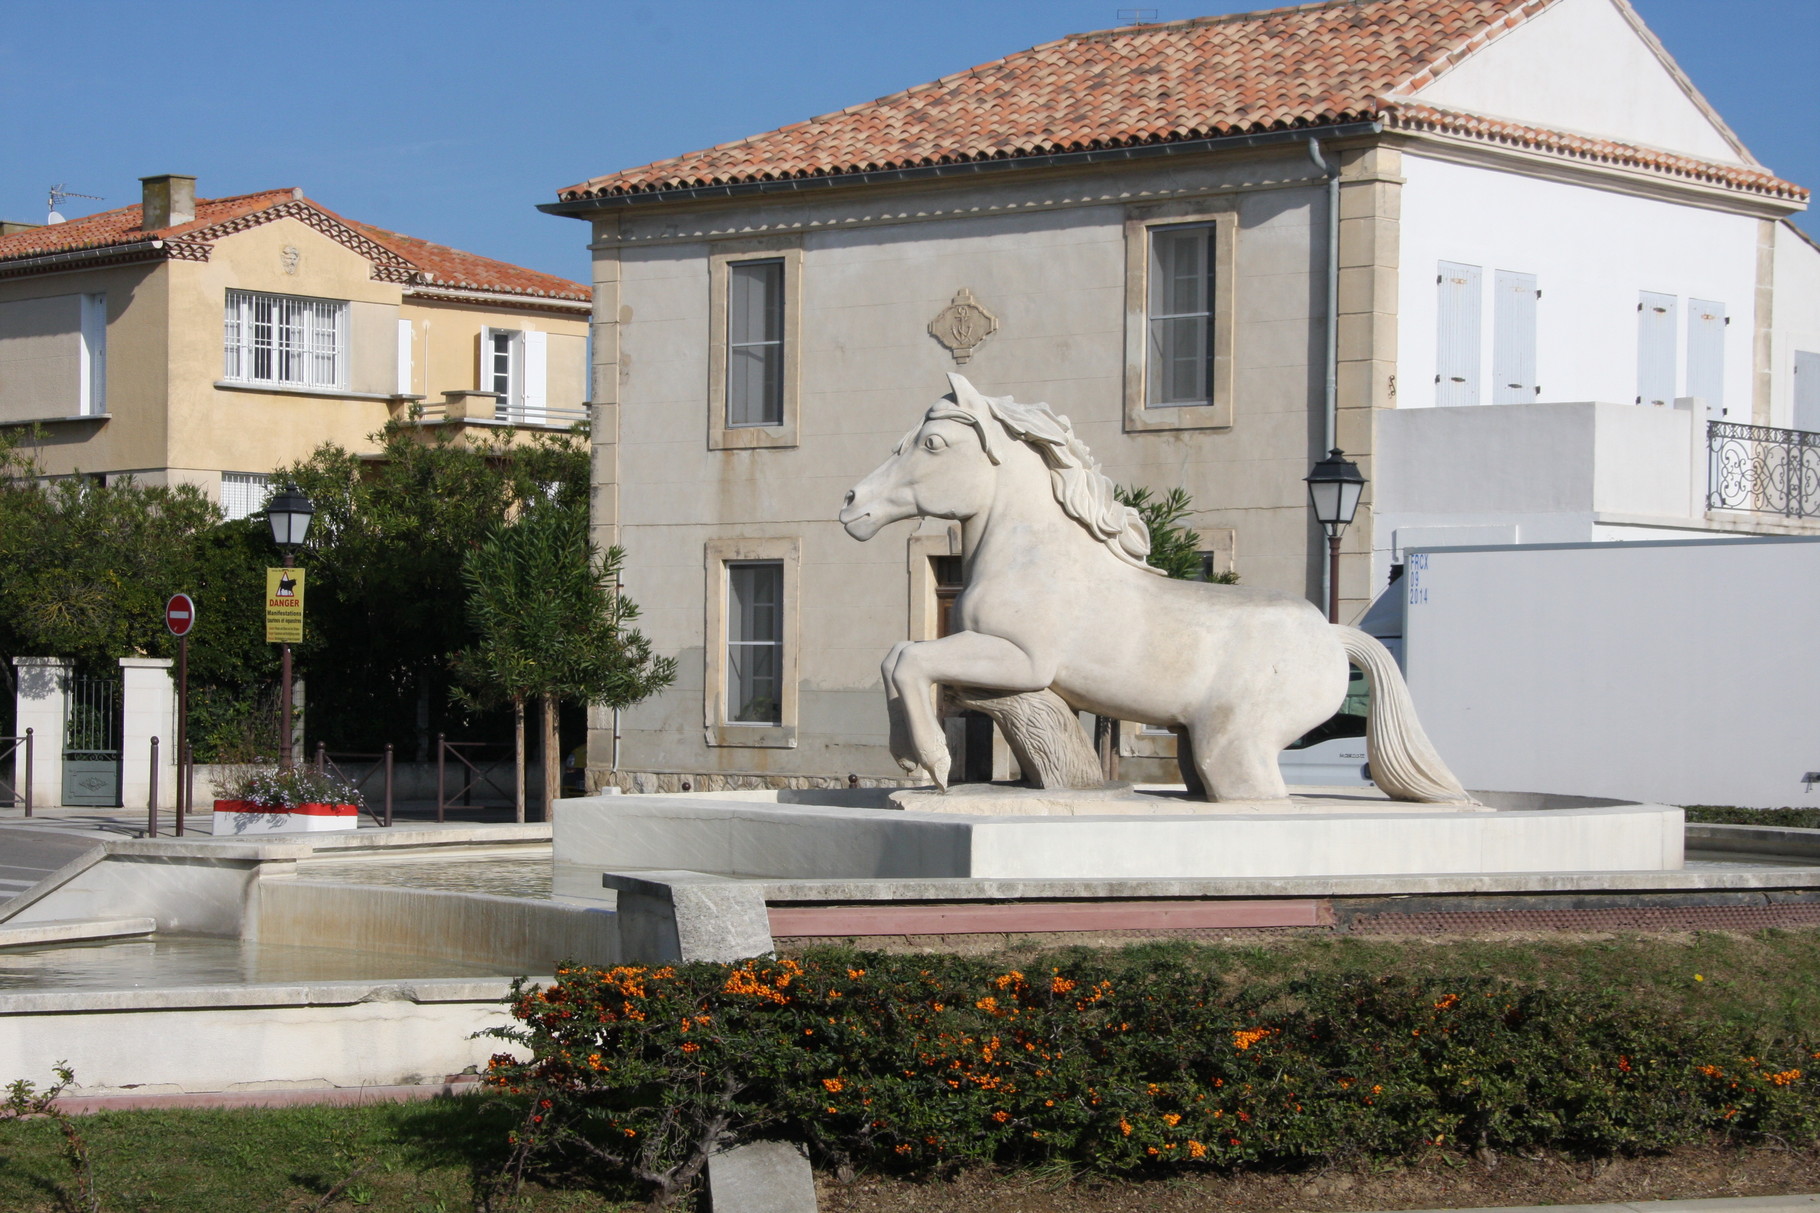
(1116, 1063)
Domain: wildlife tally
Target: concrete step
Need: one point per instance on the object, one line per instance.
(74, 930)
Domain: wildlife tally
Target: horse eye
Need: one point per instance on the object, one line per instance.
(934, 442)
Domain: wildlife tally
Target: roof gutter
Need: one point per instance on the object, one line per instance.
(581, 208)
(105, 252)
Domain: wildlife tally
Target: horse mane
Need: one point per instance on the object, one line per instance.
(1084, 492)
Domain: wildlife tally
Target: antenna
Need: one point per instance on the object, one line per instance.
(58, 194)
(1137, 16)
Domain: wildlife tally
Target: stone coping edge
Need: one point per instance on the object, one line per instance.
(74, 930)
(1006, 889)
(269, 1097)
(301, 844)
(1802, 1202)
(277, 994)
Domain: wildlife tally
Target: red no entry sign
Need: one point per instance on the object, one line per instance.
(180, 614)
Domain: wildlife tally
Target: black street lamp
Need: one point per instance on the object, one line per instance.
(1334, 487)
(288, 514)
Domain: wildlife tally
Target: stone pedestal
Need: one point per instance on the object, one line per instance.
(42, 703)
(148, 709)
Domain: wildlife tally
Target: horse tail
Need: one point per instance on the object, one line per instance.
(1403, 760)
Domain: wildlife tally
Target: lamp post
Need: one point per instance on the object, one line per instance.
(1334, 487)
(288, 514)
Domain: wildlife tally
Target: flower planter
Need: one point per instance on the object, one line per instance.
(245, 817)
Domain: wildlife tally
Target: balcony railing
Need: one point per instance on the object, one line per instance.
(488, 408)
(1763, 470)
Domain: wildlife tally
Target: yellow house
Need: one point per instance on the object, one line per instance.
(210, 341)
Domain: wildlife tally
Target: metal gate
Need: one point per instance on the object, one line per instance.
(91, 743)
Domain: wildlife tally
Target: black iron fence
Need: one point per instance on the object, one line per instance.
(16, 756)
(1763, 470)
(349, 769)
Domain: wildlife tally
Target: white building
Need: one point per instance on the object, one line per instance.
(1500, 251)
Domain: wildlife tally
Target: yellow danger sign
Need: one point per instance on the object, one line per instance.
(284, 606)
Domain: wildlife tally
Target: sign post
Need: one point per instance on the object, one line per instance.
(284, 626)
(179, 618)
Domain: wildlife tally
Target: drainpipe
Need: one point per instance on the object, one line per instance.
(1331, 339)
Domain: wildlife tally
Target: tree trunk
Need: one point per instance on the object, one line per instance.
(552, 754)
(518, 730)
(1043, 734)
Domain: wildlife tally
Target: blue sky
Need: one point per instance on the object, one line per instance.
(452, 120)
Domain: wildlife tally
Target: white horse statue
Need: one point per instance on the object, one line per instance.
(1058, 596)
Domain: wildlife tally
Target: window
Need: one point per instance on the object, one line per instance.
(1179, 300)
(1179, 368)
(755, 637)
(515, 366)
(501, 358)
(752, 641)
(243, 494)
(755, 343)
(283, 340)
(754, 316)
(53, 357)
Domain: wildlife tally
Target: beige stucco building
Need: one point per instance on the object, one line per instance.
(210, 341)
(1194, 240)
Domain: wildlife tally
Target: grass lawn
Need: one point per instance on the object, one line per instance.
(435, 1155)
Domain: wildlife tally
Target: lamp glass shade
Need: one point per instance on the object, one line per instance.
(1334, 488)
(289, 514)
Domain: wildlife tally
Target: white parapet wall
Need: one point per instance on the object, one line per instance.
(226, 1038)
(746, 838)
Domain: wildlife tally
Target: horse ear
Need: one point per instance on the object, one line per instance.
(965, 394)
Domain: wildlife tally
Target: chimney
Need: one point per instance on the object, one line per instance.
(170, 199)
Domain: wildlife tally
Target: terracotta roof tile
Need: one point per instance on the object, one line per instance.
(1280, 69)
(1410, 116)
(409, 259)
(117, 227)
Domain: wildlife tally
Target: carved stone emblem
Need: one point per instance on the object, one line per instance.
(290, 257)
(963, 325)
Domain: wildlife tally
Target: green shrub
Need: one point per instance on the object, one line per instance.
(921, 1064)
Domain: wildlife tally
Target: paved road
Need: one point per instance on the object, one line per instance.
(30, 853)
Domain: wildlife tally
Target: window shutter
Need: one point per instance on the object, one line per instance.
(94, 355)
(1656, 349)
(1457, 336)
(1807, 390)
(483, 360)
(404, 358)
(1706, 354)
(1513, 338)
(536, 375)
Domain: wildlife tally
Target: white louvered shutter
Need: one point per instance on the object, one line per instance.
(1457, 335)
(1706, 354)
(404, 358)
(1807, 390)
(1656, 349)
(1513, 338)
(536, 376)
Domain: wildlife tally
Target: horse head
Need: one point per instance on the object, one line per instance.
(943, 468)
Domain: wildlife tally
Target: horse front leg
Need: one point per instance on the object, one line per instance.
(966, 659)
(901, 747)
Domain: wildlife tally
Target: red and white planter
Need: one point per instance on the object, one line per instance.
(245, 817)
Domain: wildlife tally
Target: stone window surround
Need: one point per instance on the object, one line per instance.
(787, 550)
(1139, 220)
(721, 255)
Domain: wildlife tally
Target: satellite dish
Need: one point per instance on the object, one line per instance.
(54, 217)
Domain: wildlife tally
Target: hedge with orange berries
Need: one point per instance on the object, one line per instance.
(923, 1064)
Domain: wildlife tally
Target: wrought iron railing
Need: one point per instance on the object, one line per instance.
(1763, 470)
